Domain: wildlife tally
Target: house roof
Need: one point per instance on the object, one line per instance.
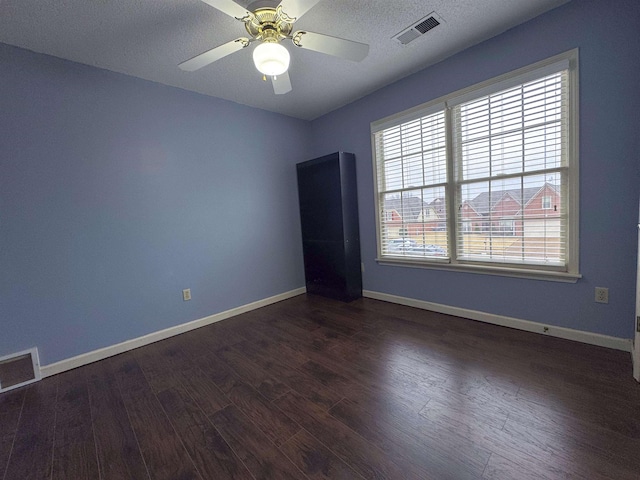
(409, 208)
(485, 202)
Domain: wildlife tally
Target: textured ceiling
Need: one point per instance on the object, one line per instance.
(149, 38)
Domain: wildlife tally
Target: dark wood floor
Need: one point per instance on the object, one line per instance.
(312, 388)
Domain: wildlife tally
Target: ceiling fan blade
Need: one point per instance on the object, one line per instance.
(297, 8)
(281, 84)
(229, 7)
(214, 54)
(338, 47)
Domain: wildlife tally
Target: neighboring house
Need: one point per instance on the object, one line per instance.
(533, 211)
(412, 216)
(499, 212)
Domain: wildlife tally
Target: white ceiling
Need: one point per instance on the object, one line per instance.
(149, 38)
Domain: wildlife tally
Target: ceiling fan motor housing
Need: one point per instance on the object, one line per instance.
(269, 25)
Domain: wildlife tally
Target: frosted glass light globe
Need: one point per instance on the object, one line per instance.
(271, 59)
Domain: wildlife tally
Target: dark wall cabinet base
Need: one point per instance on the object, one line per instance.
(330, 232)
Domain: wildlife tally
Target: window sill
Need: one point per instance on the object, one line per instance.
(533, 274)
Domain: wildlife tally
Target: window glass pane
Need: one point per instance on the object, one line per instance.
(474, 122)
(506, 111)
(435, 166)
(506, 154)
(390, 142)
(415, 223)
(506, 220)
(411, 140)
(512, 131)
(475, 159)
(413, 171)
(543, 147)
(393, 175)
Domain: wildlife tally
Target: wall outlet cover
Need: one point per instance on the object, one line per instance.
(602, 295)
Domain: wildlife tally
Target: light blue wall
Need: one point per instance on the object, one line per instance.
(117, 193)
(608, 36)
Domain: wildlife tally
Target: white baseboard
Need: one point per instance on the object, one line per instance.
(102, 353)
(616, 343)
(526, 325)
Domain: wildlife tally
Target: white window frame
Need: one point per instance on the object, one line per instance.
(568, 273)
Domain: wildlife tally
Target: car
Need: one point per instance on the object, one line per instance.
(428, 251)
(401, 245)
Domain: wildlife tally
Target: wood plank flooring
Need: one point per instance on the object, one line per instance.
(311, 388)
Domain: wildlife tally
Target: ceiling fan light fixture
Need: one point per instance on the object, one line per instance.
(271, 59)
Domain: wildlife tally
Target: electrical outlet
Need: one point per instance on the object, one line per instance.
(602, 295)
(186, 294)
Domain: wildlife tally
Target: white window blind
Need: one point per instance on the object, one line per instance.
(484, 178)
(510, 149)
(412, 174)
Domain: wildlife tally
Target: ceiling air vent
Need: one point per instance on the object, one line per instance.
(418, 29)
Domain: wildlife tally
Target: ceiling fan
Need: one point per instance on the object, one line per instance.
(269, 26)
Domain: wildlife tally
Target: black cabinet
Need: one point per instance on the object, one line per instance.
(330, 232)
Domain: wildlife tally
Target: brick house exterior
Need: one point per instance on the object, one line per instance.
(499, 213)
(502, 211)
(411, 216)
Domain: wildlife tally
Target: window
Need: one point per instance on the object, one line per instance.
(507, 227)
(486, 178)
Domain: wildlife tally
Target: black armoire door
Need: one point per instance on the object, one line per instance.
(330, 232)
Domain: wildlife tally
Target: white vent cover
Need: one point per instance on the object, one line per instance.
(19, 369)
(418, 29)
